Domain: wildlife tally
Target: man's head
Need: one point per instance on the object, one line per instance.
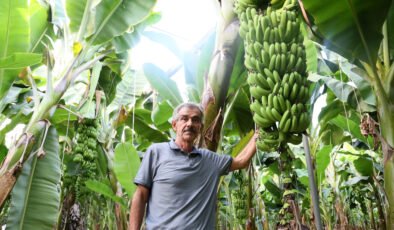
(187, 121)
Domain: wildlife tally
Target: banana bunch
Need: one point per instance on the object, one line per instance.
(239, 198)
(85, 153)
(276, 63)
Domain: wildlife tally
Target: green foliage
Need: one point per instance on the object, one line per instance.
(37, 189)
(165, 86)
(342, 23)
(126, 165)
(14, 37)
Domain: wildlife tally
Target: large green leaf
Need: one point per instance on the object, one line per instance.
(19, 60)
(36, 195)
(161, 113)
(114, 17)
(104, 190)
(146, 131)
(351, 28)
(358, 77)
(341, 90)
(364, 166)
(62, 115)
(349, 124)
(126, 164)
(322, 161)
(107, 82)
(166, 87)
(128, 89)
(14, 36)
(129, 39)
(39, 24)
(75, 10)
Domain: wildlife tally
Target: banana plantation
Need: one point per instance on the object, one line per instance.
(314, 78)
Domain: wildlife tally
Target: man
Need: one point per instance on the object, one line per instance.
(179, 182)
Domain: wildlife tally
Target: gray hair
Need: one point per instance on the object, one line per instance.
(187, 105)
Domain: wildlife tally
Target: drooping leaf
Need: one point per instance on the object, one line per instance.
(126, 164)
(359, 76)
(104, 190)
(165, 86)
(14, 36)
(11, 97)
(36, 195)
(352, 126)
(355, 180)
(342, 23)
(114, 17)
(19, 60)
(339, 88)
(161, 113)
(364, 166)
(322, 161)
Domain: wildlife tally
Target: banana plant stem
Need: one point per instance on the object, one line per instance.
(312, 184)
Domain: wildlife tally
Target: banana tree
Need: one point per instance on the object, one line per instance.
(70, 51)
(362, 32)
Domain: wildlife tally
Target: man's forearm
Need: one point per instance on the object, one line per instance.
(243, 158)
(137, 212)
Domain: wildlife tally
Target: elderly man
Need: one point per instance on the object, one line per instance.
(179, 182)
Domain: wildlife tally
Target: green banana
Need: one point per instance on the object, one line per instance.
(282, 103)
(286, 90)
(294, 92)
(261, 122)
(258, 92)
(262, 82)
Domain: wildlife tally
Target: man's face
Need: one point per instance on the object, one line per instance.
(188, 125)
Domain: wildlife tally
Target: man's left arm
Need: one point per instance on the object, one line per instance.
(242, 160)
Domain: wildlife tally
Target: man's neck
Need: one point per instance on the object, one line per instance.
(184, 145)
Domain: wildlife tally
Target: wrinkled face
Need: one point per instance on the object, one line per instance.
(188, 125)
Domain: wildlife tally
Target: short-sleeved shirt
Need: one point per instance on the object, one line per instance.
(183, 187)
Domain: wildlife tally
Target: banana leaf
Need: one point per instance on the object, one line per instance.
(36, 195)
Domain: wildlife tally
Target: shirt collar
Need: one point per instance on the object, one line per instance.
(174, 146)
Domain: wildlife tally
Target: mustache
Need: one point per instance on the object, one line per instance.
(190, 130)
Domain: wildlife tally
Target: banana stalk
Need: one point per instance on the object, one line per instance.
(219, 74)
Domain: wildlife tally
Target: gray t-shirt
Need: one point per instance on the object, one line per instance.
(183, 187)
